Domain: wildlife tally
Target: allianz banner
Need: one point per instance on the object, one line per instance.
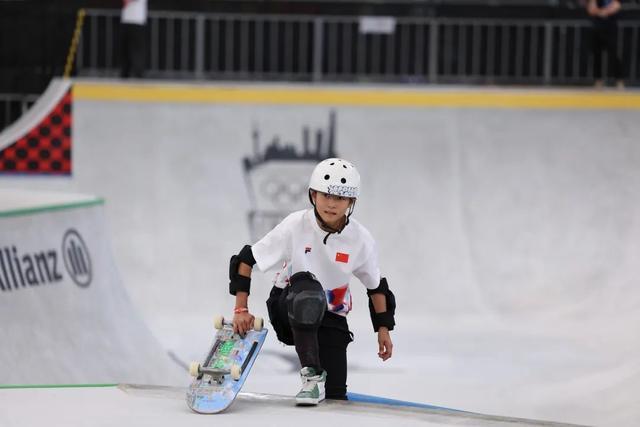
(46, 249)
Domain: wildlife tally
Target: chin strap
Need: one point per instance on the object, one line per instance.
(326, 227)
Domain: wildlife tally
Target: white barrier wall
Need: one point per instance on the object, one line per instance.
(65, 314)
(516, 212)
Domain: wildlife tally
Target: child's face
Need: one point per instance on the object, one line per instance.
(332, 209)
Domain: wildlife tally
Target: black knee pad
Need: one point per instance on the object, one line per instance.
(306, 301)
(277, 307)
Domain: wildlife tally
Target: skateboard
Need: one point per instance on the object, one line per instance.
(218, 380)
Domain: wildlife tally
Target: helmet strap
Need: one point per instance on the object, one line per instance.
(326, 227)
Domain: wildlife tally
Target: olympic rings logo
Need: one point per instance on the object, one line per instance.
(280, 191)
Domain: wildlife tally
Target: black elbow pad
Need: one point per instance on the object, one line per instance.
(386, 318)
(238, 282)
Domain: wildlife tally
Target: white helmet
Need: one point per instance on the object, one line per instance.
(337, 177)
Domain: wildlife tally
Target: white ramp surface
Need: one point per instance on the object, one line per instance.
(128, 405)
(65, 314)
(509, 231)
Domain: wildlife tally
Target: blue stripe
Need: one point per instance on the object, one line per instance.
(364, 398)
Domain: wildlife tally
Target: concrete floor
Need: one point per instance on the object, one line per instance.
(128, 405)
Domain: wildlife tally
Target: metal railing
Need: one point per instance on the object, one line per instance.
(13, 106)
(323, 48)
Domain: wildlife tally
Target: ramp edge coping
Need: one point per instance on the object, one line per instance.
(50, 208)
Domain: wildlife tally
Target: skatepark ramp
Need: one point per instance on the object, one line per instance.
(70, 324)
(66, 316)
(507, 222)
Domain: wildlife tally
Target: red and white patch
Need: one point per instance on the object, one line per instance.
(341, 257)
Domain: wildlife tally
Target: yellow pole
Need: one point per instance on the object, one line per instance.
(74, 43)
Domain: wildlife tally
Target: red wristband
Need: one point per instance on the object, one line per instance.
(239, 310)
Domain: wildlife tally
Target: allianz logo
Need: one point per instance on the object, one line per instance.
(20, 270)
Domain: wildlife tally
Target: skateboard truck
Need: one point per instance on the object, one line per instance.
(196, 370)
(216, 375)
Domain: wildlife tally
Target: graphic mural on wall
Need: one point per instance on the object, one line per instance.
(46, 148)
(277, 176)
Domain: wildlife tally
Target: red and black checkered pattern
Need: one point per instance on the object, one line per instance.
(46, 149)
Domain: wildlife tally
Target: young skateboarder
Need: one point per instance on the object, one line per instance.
(319, 250)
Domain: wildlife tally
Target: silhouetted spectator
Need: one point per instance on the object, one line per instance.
(605, 37)
(134, 21)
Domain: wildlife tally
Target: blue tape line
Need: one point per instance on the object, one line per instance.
(364, 398)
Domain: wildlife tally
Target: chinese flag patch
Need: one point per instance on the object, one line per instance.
(340, 257)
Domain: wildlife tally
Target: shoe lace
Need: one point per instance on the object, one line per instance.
(308, 383)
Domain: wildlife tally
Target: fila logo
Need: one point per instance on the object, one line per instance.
(307, 249)
(340, 257)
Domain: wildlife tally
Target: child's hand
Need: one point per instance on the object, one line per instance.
(242, 323)
(385, 346)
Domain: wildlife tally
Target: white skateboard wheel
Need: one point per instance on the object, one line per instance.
(236, 373)
(258, 324)
(194, 369)
(218, 322)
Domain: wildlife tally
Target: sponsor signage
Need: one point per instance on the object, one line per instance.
(48, 266)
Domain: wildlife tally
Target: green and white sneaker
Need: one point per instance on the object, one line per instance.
(312, 391)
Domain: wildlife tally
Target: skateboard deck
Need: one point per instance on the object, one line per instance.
(218, 380)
